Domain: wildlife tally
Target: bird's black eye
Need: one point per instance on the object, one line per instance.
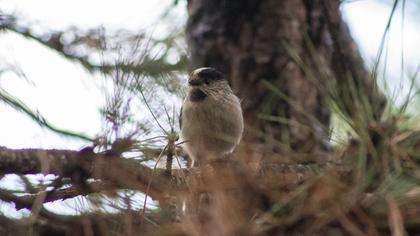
(207, 81)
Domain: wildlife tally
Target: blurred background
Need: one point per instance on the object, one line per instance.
(70, 96)
(58, 89)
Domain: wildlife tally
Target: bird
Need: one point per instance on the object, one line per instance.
(211, 117)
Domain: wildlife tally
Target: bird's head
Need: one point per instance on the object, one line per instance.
(207, 81)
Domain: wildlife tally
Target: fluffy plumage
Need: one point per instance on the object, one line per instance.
(211, 116)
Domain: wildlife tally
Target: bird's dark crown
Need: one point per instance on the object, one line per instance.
(205, 75)
(209, 73)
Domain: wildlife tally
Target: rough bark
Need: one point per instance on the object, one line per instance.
(296, 46)
(82, 165)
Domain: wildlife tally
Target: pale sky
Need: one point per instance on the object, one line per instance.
(66, 94)
(367, 20)
(70, 97)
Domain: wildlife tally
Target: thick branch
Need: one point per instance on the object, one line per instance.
(116, 172)
(84, 164)
(26, 201)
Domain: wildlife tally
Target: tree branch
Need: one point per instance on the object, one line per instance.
(84, 164)
(26, 201)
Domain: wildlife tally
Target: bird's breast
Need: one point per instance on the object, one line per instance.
(212, 119)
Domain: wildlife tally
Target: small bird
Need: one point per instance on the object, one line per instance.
(211, 117)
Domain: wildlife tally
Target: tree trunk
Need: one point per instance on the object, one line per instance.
(279, 56)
